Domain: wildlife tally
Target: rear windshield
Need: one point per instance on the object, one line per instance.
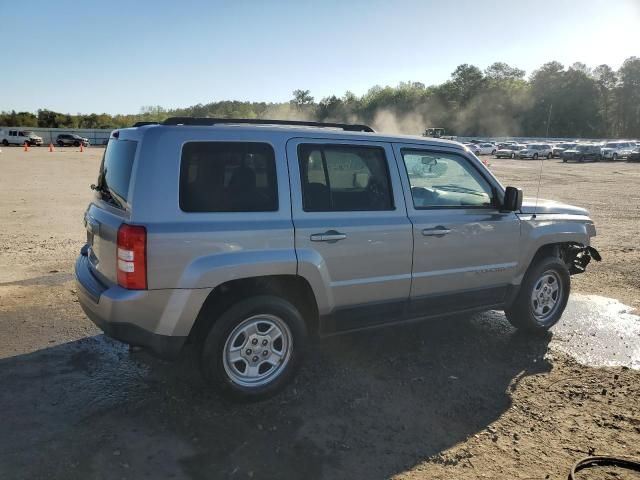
(115, 172)
(228, 177)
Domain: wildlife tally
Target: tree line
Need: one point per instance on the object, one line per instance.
(574, 101)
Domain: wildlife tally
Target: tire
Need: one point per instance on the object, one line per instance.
(76, 144)
(581, 160)
(236, 327)
(564, 160)
(5, 142)
(614, 157)
(513, 155)
(531, 315)
(60, 143)
(549, 156)
(493, 152)
(535, 156)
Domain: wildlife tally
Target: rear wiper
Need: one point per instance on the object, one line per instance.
(457, 188)
(107, 195)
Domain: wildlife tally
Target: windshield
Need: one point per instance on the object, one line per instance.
(612, 145)
(26, 133)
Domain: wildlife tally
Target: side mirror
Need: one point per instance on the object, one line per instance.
(512, 199)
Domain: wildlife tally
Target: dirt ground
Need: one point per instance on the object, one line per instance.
(455, 398)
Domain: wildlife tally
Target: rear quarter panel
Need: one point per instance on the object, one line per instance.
(203, 250)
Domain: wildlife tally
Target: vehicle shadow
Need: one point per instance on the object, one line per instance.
(366, 405)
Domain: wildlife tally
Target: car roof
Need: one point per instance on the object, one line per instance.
(296, 131)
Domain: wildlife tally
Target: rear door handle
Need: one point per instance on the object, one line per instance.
(330, 236)
(438, 231)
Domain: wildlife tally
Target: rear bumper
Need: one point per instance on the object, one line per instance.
(126, 315)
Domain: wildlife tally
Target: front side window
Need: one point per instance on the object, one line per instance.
(228, 177)
(441, 180)
(339, 178)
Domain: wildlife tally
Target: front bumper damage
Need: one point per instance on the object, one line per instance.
(577, 257)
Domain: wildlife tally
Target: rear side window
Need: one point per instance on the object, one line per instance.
(339, 178)
(228, 177)
(115, 172)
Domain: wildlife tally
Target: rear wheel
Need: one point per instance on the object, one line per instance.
(581, 160)
(542, 297)
(513, 155)
(549, 156)
(535, 156)
(614, 157)
(5, 142)
(493, 152)
(254, 349)
(60, 143)
(76, 144)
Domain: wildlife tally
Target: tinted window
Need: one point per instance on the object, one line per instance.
(228, 177)
(344, 178)
(115, 172)
(444, 180)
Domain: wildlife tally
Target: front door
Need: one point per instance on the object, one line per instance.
(465, 249)
(352, 233)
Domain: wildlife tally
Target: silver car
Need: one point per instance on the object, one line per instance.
(248, 237)
(535, 151)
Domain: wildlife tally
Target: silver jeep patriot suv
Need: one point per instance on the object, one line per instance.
(247, 237)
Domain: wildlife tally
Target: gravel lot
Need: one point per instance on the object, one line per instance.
(455, 398)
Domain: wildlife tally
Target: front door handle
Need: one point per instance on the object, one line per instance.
(330, 236)
(438, 231)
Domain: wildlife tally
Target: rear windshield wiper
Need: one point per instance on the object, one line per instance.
(107, 195)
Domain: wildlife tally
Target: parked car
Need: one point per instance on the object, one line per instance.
(616, 150)
(19, 137)
(487, 148)
(535, 151)
(247, 240)
(68, 139)
(475, 149)
(634, 156)
(509, 151)
(557, 149)
(582, 152)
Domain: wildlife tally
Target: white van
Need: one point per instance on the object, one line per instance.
(19, 137)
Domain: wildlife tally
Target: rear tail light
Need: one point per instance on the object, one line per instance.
(132, 257)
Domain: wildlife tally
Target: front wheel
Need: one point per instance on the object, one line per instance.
(614, 157)
(5, 142)
(549, 156)
(254, 349)
(535, 156)
(513, 155)
(543, 296)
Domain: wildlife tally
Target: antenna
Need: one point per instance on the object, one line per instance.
(535, 209)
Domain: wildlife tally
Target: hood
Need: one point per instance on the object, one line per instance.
(550, 206)
(572, 151)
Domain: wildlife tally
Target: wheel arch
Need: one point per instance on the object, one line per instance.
(293, 288)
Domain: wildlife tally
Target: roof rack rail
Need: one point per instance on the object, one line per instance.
(142, 124)
(252, 121)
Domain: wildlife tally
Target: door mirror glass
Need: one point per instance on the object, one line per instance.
(512, 199)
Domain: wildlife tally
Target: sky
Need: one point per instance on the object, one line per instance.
(117, 56)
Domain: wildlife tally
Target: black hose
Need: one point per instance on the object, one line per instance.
(604, 461)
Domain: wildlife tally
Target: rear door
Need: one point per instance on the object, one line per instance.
(351, 229)
(110, 208)
(465, 250)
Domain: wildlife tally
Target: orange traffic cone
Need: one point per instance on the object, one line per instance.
(81, 148)
(51, 147)
(26, 147)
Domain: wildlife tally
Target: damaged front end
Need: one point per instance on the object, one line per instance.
(578, 256)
